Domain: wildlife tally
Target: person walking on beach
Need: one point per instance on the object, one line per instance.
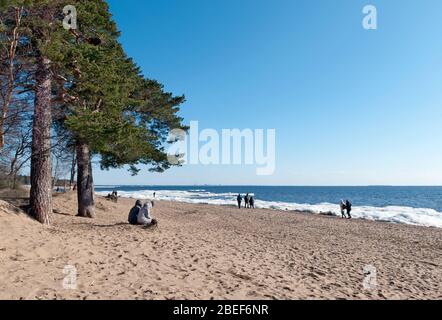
(239, 199)
(246, 200)
(348, 207)
(252, 202)
(133, 214)
(343, 207)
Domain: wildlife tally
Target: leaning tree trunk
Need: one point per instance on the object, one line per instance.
(85, 182)
(41, 180)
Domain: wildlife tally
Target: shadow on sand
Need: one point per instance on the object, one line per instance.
(119, 224)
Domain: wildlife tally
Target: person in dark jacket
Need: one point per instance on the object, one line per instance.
(239, 199)
(252, 202)
(348, 207)
(246, 200)
(133, 214)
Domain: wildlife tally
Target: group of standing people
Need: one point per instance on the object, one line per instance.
(249, 201)
(140, 214)
(345, 206)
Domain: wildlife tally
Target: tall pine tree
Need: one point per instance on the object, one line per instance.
(40, 31)
(114, 112)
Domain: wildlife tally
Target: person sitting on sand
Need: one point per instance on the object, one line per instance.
(133, 214)
(112, 197)
(343, 207)
(144, 217)
(252, 202)
(246, 200)
(239, 199)
(348, 207)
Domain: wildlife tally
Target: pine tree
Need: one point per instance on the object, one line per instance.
(94, 86)
(98, 96)
(114, 112)
(37, 18)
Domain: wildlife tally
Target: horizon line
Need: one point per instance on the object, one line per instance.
(255, 185)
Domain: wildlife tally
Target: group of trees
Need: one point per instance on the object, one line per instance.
(68, 95)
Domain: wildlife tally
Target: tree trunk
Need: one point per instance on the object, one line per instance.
(73, 169)
(55, 174)
(14, 181)
(85, 182)
(12, 171)
(41, 191)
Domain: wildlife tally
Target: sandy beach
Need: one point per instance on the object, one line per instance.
(214, 252)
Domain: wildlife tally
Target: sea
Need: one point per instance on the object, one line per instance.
(404, 205)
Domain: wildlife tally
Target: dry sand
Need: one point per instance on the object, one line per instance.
(204, 252)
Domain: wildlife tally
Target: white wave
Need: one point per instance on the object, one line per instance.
(396, 214)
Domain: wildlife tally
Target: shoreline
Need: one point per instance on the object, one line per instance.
(288, 211)
(329, 215)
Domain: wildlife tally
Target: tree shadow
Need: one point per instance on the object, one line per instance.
(19, 202)
(62, 213)
(119, 224)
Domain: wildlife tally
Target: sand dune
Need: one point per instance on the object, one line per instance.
(213, 252)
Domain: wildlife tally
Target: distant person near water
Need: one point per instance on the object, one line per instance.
(348, 206)
(113, 196)
(247, 200)
(343, 207)
(252, 202)
(239, 199)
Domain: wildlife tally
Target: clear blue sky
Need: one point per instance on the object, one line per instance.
(350, 106)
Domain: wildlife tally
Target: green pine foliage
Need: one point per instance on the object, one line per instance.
(100, 95)
(122, 116)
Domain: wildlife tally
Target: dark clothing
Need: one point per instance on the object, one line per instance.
(133, 215)
(252, 203)
(247, 199)
(113, 196)
(348, 207)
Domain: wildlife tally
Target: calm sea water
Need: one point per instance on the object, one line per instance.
(410, 205)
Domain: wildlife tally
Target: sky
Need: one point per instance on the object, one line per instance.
(349, 106)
